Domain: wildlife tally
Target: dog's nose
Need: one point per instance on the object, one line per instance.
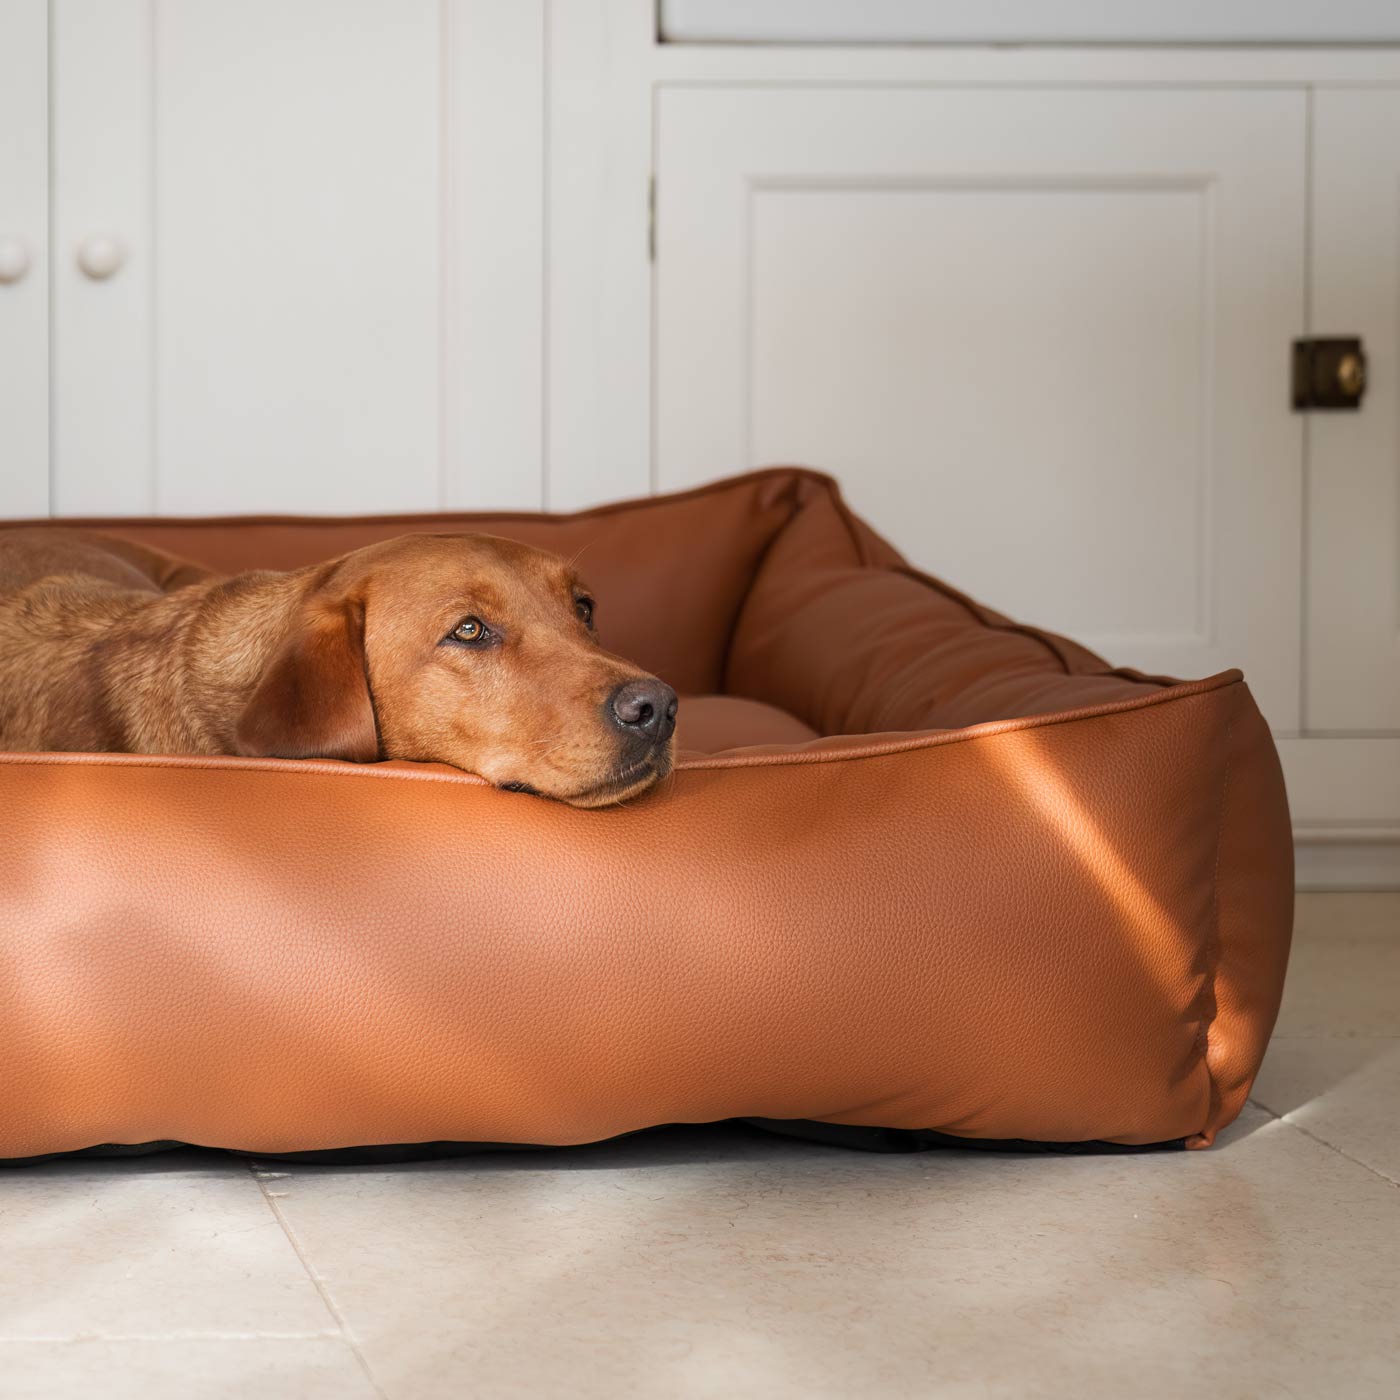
(645, 708)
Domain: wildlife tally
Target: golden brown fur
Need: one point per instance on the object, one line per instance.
(107, 646)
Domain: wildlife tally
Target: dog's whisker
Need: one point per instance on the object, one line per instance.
(553, 747)
(551, 742)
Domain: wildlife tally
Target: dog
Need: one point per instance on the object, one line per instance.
(462, 649)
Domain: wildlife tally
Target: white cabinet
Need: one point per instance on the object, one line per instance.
(1032, 305)
(1353, 502)
(327, 283)
(1040, 336)
(24, 237)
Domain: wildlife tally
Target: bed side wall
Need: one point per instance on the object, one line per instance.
(840, 632)
(1254, 911)
(669, 573)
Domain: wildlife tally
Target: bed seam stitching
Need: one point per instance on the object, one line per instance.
(941, 738)
(212, 762)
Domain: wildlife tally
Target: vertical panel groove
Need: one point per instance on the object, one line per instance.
(153, 467)
(1305, 478)
(446, 223)
(654, 292)
(1207, 455)
(51, 258)
(546, 442)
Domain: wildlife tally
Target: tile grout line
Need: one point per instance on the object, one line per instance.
(1366, 1166)
(347, 1335)
(1288, 1122)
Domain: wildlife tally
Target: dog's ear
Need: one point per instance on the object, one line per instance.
(313, 699)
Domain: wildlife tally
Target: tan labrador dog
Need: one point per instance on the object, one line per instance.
(462, 649)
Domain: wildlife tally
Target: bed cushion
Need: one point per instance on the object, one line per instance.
(953, 878)
(712, 723)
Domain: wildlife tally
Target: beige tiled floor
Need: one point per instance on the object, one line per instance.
(719, 1262)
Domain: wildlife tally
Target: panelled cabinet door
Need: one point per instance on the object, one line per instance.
(1040, 336)
(104, 312)
(297, 255)
(24, 238)
(267, 176)
(1353, 559)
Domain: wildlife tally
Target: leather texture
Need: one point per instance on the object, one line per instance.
(918, 868)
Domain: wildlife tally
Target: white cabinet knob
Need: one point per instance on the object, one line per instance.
(100, 255)
(14, 259)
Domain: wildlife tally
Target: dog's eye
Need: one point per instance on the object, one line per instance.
(584, 608)
(471, 630)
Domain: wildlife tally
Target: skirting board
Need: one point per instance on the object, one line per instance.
(1369, 863)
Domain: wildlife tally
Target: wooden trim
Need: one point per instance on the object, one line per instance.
(1371, 864)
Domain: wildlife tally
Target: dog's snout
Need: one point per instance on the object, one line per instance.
(645, 708)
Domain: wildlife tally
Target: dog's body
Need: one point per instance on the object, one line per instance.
(460, 649)
(96, 656)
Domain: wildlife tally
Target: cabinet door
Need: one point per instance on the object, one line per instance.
(1041, 337)
(103, 325)
(24, 279)
(1353, 514)
(329, 236)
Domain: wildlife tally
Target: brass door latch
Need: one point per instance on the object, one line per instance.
(1328, 373)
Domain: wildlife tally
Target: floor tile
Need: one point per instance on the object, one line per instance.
(1333, 1067)
(1343, 1090)
(1342, 984)
(316, 1368)
(179, 1243)
(711, 1262)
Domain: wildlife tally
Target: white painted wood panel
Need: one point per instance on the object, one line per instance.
(493, 250)
(103, 372)
(298, 255)
(1016, 384)
(332, 215)
(598, 385)
(1343, 784)
(1353, 494)
(24, 238)
(1040, 336)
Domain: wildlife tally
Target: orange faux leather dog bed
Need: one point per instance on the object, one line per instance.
(921, 875)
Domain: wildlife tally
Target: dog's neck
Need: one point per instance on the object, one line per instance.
(206, 645)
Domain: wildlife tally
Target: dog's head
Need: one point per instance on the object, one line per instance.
(468, 650)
